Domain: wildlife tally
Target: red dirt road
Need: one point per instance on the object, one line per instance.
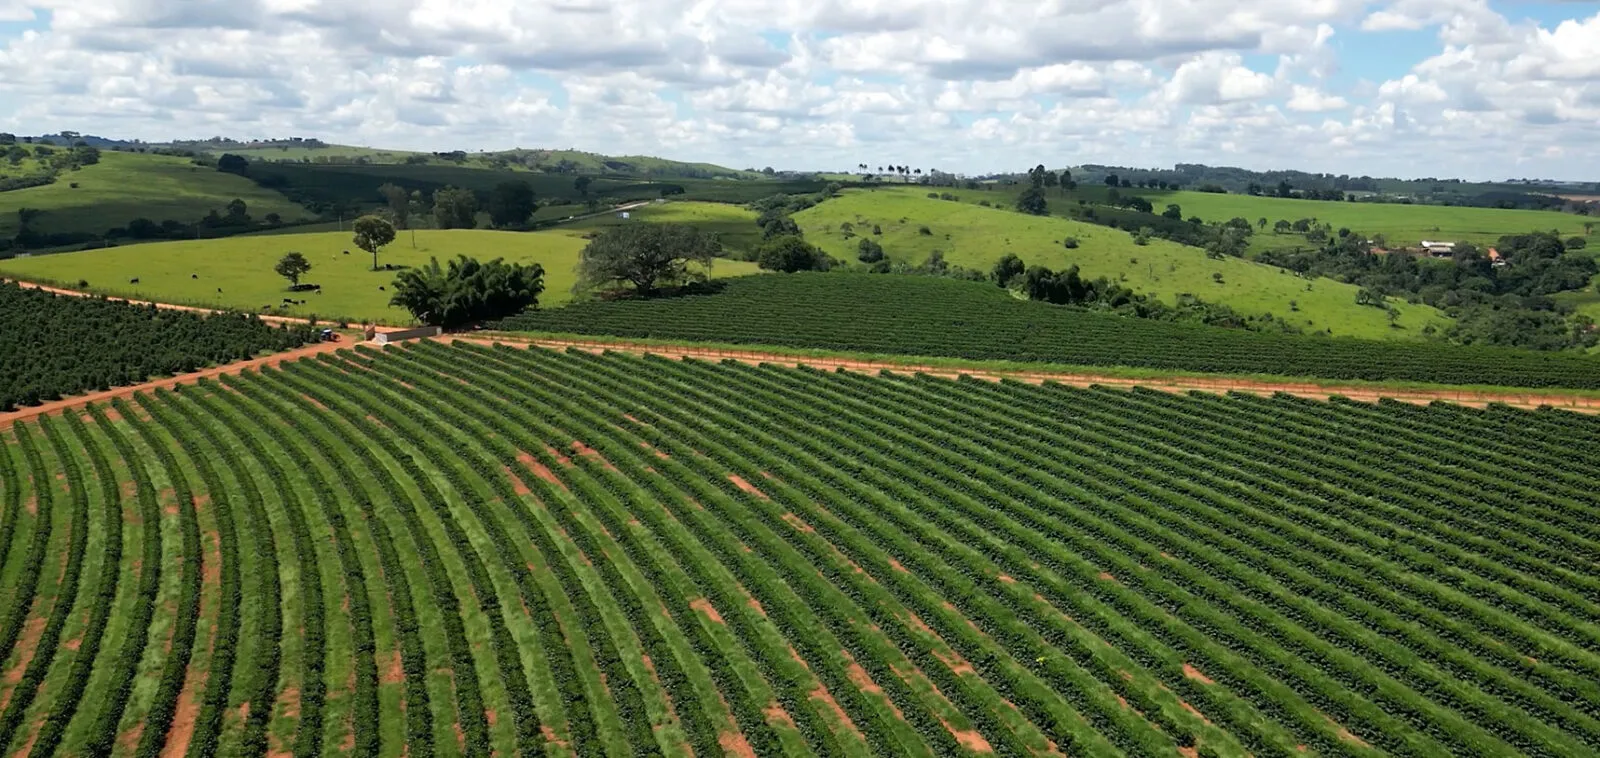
(1177, 384)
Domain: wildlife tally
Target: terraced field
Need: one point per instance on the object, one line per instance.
(471, 550)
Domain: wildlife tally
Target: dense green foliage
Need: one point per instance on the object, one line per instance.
(946, 317)
(1497, 302)
(645, 256)
(468, 291)
(55, 345)
(565, 553)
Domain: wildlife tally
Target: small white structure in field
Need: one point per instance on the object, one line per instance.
(623, 214)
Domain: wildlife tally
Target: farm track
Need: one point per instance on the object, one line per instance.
(1530, 399)
(557, 551)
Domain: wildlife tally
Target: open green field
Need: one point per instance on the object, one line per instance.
(543, 553)
(1402, 225)
(976, 237)
(241, 267)
(126, 186)
(735, 225)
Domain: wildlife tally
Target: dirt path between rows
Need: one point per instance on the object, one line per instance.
(1177, 384)
(57, 406)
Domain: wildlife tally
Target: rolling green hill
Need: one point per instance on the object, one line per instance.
(1402, 225)
(975, 237)
(193, 272)
(556, 161)
(735, 225)
(332, 184)
(125, 186)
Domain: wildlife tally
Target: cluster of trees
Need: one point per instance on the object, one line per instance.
(646, 257)
(1286, 190)
(1069, 287)
(468, 290)
(1507, 305)
(55, 345)
(51, 162)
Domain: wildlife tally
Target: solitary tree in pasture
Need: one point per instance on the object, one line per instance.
(292, 266)
(1032, 202)
(399, 202)
(581, 184)
(1111, 180)
(372, 233)
(644, 255)
(1261, 223)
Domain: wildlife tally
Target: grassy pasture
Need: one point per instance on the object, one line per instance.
(975, 237)
(1403, 225)
(126, 186)
(241, 267)
(734, 224)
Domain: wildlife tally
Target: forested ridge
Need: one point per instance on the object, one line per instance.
(56, 345)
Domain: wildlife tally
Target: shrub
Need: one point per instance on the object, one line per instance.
(1071, 243)
(924, 231)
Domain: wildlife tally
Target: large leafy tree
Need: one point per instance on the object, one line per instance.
(1032, 201)
(292, 266)
(644, 255)
(511, 203)
(468, 290)
(372, 233)
(791, 253)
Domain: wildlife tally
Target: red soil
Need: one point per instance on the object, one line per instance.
(1006, 578)
(704, 606)
(539, 469)
(798, 523)
(734, 744)
(738, 481)
(894, 564)
(1194, 673)
(27, 645)
(777, 716)
(516, 483)
(756, 604)
(395, 671)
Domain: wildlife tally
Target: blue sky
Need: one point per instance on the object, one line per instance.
(1480, 89)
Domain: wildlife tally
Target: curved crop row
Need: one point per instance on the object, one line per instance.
(564, 553)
